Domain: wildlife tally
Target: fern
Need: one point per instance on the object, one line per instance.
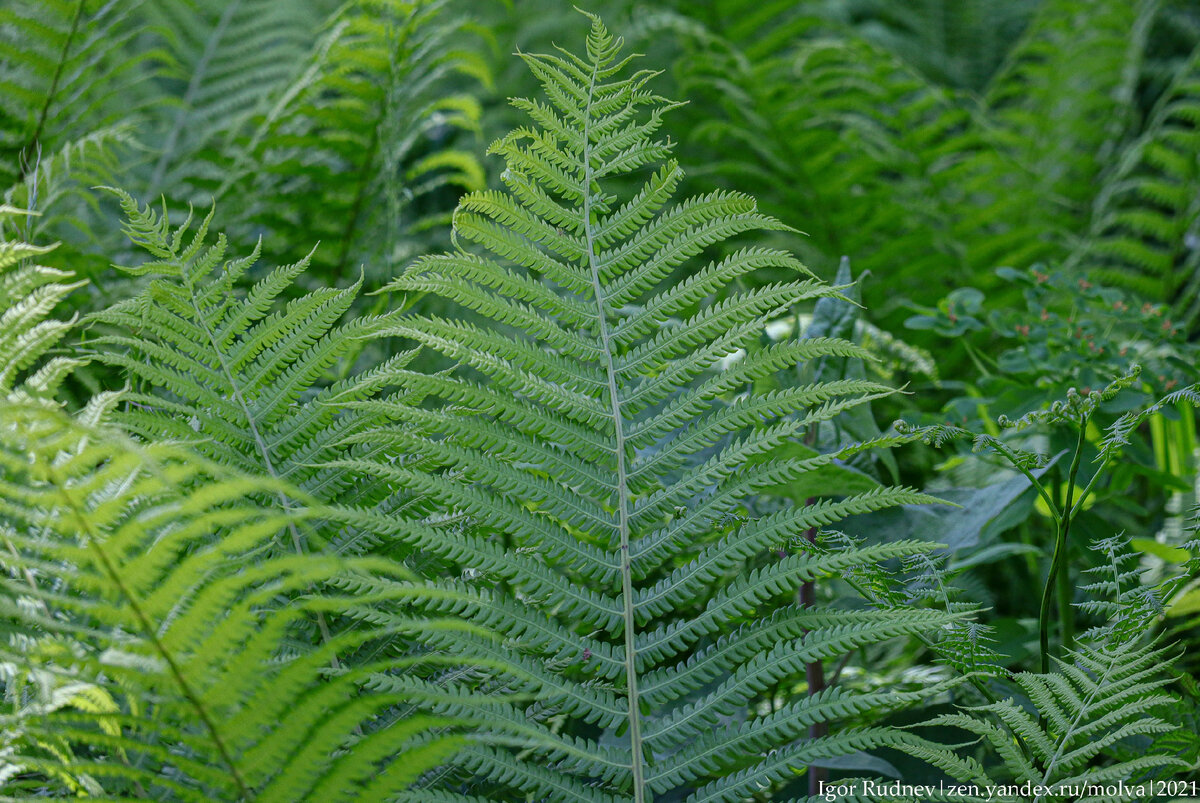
(598, 468)
(1108, 691)
(159, 635)
(922, 182)
(28, 294)
(231, 58)
(241, 374)
(64, 74)
(361, 146)
(1146, 219)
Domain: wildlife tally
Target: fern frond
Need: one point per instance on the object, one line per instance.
(595, 452)
(1111, 689)
(361, 146)
(160, 635)
(28, 294)
(1147, 213)
(232, 58)
(63, 64)
(239, 374)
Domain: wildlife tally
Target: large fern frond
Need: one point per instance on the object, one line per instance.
(603, 470)
(150, 650)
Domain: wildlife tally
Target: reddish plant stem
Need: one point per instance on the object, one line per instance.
(814, 674)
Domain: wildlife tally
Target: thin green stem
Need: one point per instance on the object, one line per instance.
(1057, 563)
(58, 71)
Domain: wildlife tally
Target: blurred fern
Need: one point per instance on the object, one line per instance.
(923, 183)
(66, 71)
(149, 652)
(361, 148)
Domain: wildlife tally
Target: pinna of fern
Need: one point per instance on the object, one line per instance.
(139, 575)
(601, 466)
(29, 292)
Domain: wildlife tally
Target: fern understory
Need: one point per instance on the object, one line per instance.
(342, 458)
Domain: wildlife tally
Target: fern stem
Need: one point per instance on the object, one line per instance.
(58, 71)
(1060, 554)
(631, 677)
(360, 198)
(151, 633)
(260, 443)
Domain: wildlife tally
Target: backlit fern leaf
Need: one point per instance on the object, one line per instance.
(238, 372)
(160, 636)
(603, 466)
(28, 294)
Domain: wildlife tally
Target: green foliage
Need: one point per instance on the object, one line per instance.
(264, 511)
(335, 122)
(28, 294)
(148, 650)
(608, 456)
(240, 374)
(1107, 692)
(377, 97)
(922, 182)
(64, 74)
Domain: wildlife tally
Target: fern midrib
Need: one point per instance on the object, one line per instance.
(58, 71)
(263, 450)
(151, 633)
(626, 568)
(1065, 740)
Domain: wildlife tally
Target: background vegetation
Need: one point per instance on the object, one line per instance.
(365, 435)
